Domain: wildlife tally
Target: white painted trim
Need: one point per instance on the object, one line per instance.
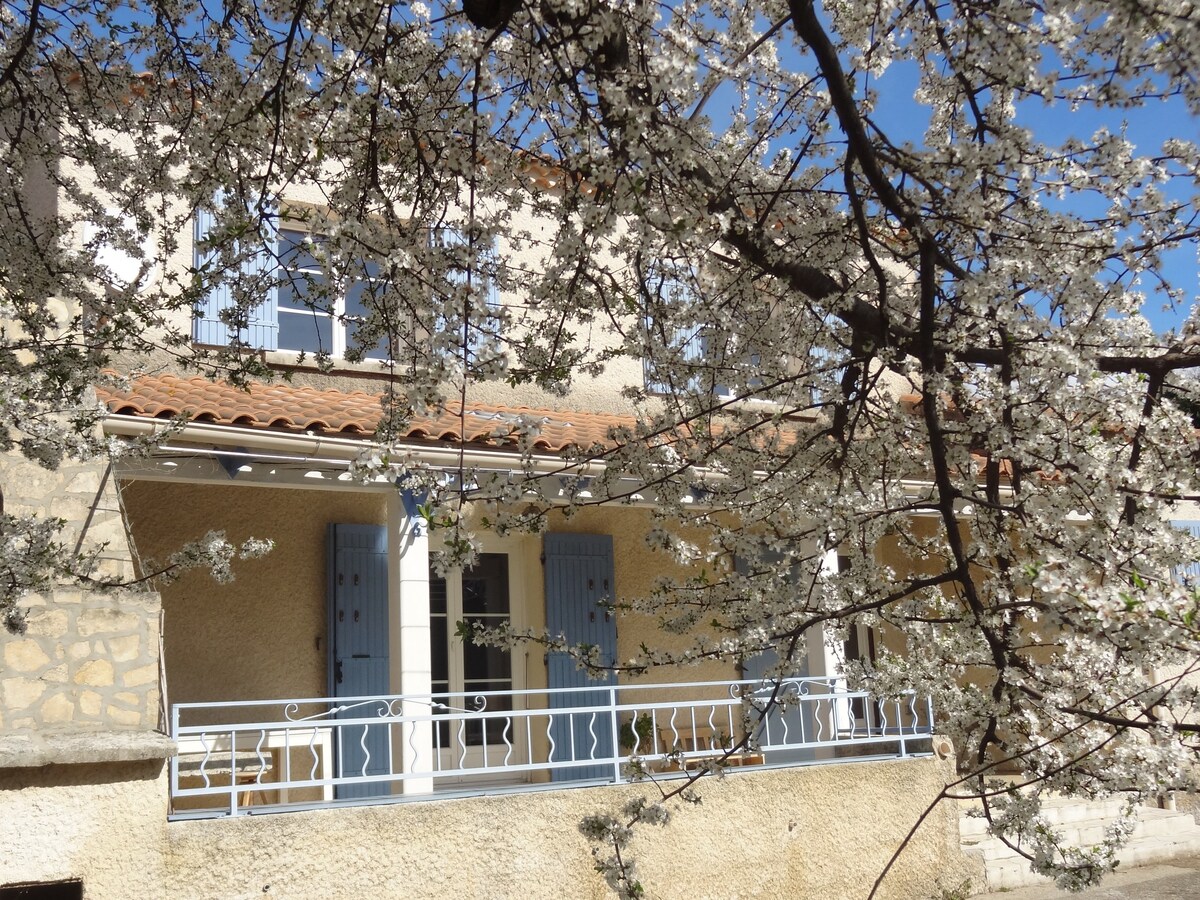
(312, 448)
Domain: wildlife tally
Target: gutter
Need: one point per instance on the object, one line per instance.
(318, 448)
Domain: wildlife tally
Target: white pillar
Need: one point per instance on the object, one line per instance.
(408, 626)
(825, 655)
(825, 660)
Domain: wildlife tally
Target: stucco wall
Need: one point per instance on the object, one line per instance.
(105, 824)
(263, 635)
(819, 832)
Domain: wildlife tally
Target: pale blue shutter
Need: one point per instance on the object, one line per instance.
(687, 346)
(492, 288)
(654, 384)
(1188, 572)
(821, 358)
(264, 318)
(694, 351)
(358, 625)
(208, 327)
(579, 582)
(447, 237)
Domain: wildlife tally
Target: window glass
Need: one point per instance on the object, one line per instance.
(297, 250)
(363, 298)
(304, 293)
(309, 331)
(485, 585)
(438, 638)
(360, 299)
(478, 595)
(482, 665)
(437, 595)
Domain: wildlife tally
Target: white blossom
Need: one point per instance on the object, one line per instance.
(716, 199)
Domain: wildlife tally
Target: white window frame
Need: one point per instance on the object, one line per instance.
(338, 317)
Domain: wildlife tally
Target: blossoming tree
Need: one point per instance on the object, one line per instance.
(857, 327)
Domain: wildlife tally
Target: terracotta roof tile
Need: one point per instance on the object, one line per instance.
(287, 407)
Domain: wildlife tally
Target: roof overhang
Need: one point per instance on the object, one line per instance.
(202, 451)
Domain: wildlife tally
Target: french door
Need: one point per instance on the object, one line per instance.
(465, 676)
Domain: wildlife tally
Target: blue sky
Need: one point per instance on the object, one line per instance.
(1146, 126)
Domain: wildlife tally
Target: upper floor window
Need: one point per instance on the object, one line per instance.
(463, 336)
(721, 340)
(680, 347)
(311, 305)
(689, 355)
(318, 314)
(1188, 573)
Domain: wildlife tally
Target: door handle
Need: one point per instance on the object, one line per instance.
(337, 671)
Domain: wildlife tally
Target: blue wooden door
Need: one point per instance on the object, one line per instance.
(789, 723)
(579, 585)
(358, 614)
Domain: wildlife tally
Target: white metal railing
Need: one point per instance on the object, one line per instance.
(273, 754)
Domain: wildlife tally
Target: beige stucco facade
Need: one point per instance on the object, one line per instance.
(97, 810)
(83, 782)
(818, 832)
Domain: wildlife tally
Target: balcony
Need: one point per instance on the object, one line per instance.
(262, 756)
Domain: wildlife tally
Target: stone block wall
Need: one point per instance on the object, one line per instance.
(89, 660)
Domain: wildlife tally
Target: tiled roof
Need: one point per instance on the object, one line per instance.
(283, 406)
(280, 406)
